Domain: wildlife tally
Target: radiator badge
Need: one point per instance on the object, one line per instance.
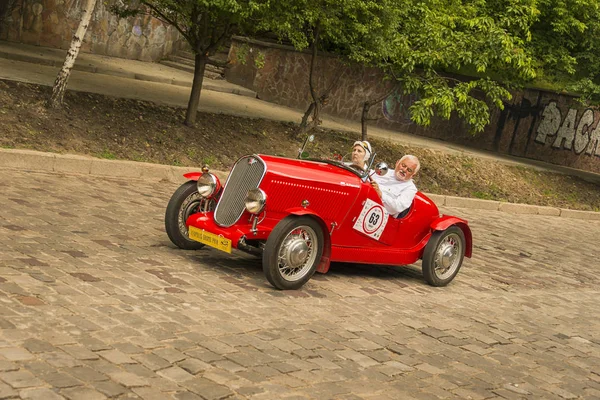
(251, 161)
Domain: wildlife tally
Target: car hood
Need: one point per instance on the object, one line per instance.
(311, 170)
(329, 190)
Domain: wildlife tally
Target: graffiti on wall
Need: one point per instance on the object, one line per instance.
(396, 106)
(581, 136)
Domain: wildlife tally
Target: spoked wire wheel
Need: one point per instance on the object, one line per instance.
(447, 257)
(443, 256)
(297, 253)
(292, 252)
(185, 201)
(190, 205)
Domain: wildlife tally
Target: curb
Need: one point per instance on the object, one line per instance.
(38, 161)
(31, 160)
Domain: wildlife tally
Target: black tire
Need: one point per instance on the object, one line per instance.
(292, 252)
(185, 201)
(443, 256)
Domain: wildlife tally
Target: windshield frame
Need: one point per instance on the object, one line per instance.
(363, 176)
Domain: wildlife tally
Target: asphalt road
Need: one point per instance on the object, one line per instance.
(96, 303)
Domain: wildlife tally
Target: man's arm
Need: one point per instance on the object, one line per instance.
(398, 197)
(397, 204)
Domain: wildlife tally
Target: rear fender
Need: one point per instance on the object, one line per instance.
(325, 262)
(447, 221)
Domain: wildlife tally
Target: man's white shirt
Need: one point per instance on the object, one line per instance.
(396, 195)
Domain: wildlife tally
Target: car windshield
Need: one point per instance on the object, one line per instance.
(310, 151)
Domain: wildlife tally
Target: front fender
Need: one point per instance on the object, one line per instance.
(193, 176)
(325, 262)
(447, 221)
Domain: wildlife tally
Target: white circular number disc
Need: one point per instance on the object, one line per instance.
(373, 219)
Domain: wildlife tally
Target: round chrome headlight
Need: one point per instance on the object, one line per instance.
(207, 184)
(255, 201)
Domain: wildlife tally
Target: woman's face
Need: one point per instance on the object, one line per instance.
(358, 155)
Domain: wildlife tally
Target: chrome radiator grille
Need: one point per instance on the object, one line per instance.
(246, 174)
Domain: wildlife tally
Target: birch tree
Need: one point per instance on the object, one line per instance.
(60, 84)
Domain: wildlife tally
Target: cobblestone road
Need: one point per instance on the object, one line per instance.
(96, 303)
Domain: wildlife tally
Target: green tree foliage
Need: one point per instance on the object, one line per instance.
(205, 25)
(437, 37)
(565, 45)
(347, 28)
(416, 41)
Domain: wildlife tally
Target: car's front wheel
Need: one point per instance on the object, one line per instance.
(443, 256)
(185, 201)
(292, 252)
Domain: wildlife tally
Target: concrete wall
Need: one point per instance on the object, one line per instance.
(535, 124)
(52, 23)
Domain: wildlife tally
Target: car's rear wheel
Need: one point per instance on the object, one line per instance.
(443, 256)
(185, 201)
(292, 252)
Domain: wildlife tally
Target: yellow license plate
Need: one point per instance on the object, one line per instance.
(210, 239)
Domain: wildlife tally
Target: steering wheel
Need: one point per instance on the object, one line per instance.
(356, 167)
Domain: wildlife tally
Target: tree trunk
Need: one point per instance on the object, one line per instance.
(60, 85)
(363, 120)
(306, 115)
(314, 106)
(367, 106)
(192, 110)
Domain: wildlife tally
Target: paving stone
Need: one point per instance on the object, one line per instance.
(218, 347)
(20, 379)
(109, 389)
(323, 363)
(15, 354)
(283, 367)
(194, 366)
(139, 370)
(163, 384)
(6, 391)
(116, 357)
(82, 393)
(60, 359)
(220, 376)
(207, 389)
(128, 348)
(87, 374)
(8, 366)
(187, 396)
(61, 380)
(170, 354)
(38, 346)
(149, 394)
(94, 344)
(128, 379)
(152, 361)
(80, 352)
(39, 394)
(175, 374)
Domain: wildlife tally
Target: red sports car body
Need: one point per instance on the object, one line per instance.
(300, 215)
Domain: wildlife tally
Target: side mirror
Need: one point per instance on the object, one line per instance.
(381, 168)
(301, 152)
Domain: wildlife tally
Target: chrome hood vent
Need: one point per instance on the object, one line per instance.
(246, 174)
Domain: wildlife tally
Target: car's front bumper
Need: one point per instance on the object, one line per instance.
(242, 230)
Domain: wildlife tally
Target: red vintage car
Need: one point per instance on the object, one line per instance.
(300, 215)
